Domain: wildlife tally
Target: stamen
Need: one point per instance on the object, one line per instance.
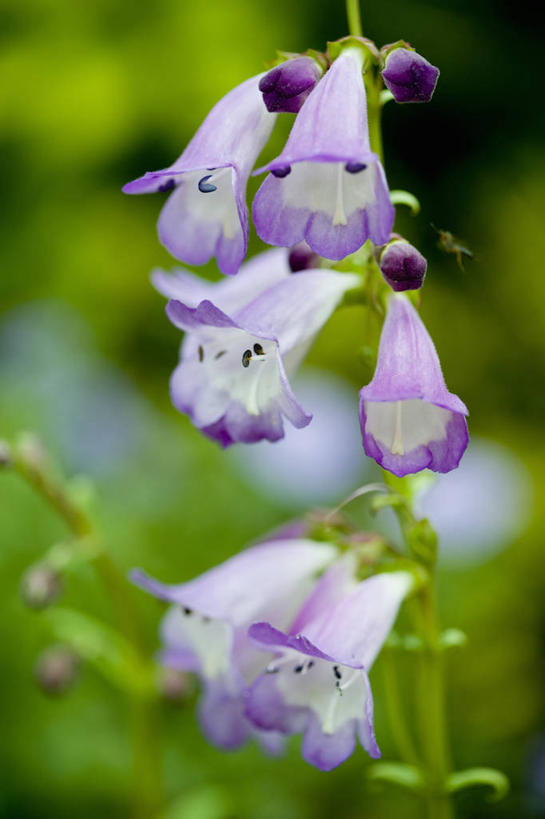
(281, 172)
(337, 672)
(339, 217)
(166, 186)
(310, 663)
(355, 167)
(219, 355)
(205, 186)
(246, 358)
(258, 349)
(186, 611)
(397, 443)
(201, 353)
(298, 668)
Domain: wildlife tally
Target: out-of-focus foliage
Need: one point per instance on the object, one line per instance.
(92, 95)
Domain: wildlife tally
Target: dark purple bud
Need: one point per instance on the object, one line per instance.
(355, 167)
(56, 669)
(40, 586)
(286, 86)
(402, 266)
(302, 258)
(281, 172)
(409, 76)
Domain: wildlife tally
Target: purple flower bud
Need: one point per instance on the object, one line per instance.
(409, 77)
(402, 266)
(40, 586)
(286, 87)
(56, 669)
(302, 258)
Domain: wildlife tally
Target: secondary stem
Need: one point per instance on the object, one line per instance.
(31, 466)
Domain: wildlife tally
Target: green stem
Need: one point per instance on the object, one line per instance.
(430, 703)
(33, 468)
(354, 18)
(399, 728)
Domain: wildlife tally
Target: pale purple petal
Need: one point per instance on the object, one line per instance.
(206, 214)
(328, 751)
(266, 709)
(221, 715)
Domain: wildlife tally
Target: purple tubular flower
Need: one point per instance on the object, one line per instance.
(409, 420)
(327, 186)
(318, 684)
(286, 86)
(409, 77)
(232, 379)
(205, 631)
(402, 266)
(206, 214)
(301, 257)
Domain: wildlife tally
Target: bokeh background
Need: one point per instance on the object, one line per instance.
(92, 95)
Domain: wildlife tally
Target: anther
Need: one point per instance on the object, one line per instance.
(219, 355)
(258, 349)
(281, 172)
(205, 186)
(186, 611)
(201, 353)
(310, 663)
(246, 358)
(298, 668)
(167, 186)
(337, 672)
(355, 167)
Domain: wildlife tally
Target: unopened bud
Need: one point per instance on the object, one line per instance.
(402, 266)
(409, 77)
(286, 86)
(302, 258)
(56, 669)
(40, 586)
(175, 686)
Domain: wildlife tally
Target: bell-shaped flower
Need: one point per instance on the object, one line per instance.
(409, 77)
(232, 379)
(327, 186)
(206, 214)
(318, 682)
(205, 630)
(409, 420)
(286, 86)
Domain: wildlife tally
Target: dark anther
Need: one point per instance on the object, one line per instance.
(258, 349)
(186, 610)
(280, 173)
(219, 355)
(205, 186)
(337, 672)
(246, 358)
(355, 167)
(167, 186)
(201, 353)
(298, 668)
(310, 663)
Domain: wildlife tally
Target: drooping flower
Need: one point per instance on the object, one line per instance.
(206, 214)
(403, 266)
(327, 186)
(286, 86)
(409, 77)
(409, 420)
(205, 631)
(232, 379)
(318, 682)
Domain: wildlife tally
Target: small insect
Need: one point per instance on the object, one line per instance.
(450, 244)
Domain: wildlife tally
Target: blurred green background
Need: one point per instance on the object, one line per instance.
(94, 94)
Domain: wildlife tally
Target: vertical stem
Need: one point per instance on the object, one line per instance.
(354, 17)
(399, 728)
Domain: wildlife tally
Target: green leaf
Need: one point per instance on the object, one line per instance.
(406, 776)
(405, 198)
(480, 776)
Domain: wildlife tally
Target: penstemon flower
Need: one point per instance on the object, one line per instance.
(232, 379)
(206, 214)
(205, 631)
(327, 186)
(318, 682)
(409, 420)
(286, 86)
